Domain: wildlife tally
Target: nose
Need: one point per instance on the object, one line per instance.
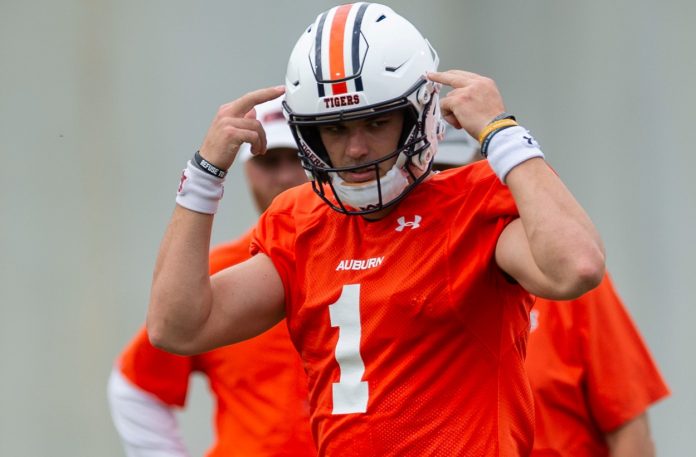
(356, 144)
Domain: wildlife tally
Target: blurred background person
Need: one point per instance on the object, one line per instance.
(593, 378)
(259, 386)
(592, 374)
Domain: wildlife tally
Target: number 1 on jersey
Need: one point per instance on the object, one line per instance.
(350, 394)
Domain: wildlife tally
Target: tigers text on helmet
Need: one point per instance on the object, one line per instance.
(358, 61)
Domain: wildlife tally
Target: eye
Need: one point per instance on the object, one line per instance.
(378, 122)
(333, 129)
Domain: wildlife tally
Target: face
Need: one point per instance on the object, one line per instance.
(362, 141)
(272, 173)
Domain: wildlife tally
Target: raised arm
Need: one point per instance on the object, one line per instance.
(189, 311)
(553, 249)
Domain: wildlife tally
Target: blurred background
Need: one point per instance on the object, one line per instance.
(102, 102)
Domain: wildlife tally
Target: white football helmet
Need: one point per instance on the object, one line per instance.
(357, 61)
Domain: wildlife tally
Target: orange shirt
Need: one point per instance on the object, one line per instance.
(590, 371)
(259, 384)
(413, 339)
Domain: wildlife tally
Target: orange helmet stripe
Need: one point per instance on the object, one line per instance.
(336, 46)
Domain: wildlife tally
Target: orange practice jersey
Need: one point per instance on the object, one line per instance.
(412, 337)
(590, 372)
(259, 384)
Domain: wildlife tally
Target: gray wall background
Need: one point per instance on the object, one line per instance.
(101, 104)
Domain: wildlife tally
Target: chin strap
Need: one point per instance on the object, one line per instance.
(364, 195)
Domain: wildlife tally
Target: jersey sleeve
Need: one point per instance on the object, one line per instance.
(274, 236)
(488, 207)
(157, 372)
(228, 254)
(622, 378)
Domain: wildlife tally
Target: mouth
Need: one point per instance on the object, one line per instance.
(358, 176)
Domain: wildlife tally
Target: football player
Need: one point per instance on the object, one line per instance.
(407, 293)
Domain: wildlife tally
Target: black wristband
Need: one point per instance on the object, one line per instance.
(486, 141)
(207, 166)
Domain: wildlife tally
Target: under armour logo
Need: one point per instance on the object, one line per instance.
(403, 224)
(531, 141)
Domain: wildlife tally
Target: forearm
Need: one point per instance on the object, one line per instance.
(632, 439)
(181, 299)
(563, 242)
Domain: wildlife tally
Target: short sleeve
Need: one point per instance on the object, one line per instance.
(225, 255)
(155, 371)
(622, 378)
(478, 221)
(274, 236)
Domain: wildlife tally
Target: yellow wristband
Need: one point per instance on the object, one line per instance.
(493, 126)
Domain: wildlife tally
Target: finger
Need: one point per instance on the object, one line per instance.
(447, 112)
(253, 137)
(246, 102)
(248, 130)
(259, 145)
(452, 78)
(452, 120)
(446, 106)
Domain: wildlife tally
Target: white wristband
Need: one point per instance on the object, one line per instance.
(199, 191)
(509, 148)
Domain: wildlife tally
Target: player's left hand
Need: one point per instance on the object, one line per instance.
(473, 101)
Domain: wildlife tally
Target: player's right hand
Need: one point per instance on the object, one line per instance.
(234, 124)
